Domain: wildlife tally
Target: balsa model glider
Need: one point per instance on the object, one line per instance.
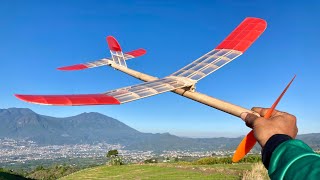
(181, 82)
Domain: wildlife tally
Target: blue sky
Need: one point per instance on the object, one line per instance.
(37, 37)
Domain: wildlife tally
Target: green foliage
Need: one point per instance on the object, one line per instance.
(39, 168)
(226, 160)
(116, 161)
(213, 160)
(112, 153)
(53, 172)
(9, 176)
(251, 159)
(151, 160)
(31, 165)
(6, 174)
(48, 169)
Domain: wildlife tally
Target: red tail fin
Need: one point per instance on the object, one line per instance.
(113, 44)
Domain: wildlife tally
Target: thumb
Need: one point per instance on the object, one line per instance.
(249, 118)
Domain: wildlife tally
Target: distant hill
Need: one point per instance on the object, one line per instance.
(312, 139)
(19, 123)
(83, 128)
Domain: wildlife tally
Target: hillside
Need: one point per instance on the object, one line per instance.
(163, 171)
(19, 123)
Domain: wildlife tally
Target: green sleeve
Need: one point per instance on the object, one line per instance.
(293, 159)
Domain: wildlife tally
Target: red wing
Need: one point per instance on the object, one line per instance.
(229, 49)
(69, 100)
(117, 96)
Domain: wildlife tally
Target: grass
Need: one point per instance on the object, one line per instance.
(164, 171)
(258, 172)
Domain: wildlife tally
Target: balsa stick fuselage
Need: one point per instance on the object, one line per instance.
(221, 105)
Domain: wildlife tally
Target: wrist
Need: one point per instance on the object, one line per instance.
(272, 143)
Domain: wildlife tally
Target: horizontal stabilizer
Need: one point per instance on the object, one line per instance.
(69, 100)
(135, 53)
(102, 62)
(74, 67)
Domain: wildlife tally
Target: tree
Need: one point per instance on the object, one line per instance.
(112, 153)
(151, 160)
(115, 159)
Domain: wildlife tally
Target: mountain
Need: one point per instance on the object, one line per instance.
(312, 139)
(83, 128)
(19, 123)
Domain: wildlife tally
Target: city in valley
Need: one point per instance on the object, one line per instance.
(14, 151)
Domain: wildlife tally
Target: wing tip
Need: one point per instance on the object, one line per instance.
(256, 19)
(137, 52)
(26, 98)
(244, 35)
(19, 96)
(73, 67)
(69, 100)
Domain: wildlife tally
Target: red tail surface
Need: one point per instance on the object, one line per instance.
(113, 44)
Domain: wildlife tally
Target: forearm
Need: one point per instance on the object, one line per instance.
(290, 159)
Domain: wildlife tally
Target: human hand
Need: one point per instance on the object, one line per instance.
(278, 123)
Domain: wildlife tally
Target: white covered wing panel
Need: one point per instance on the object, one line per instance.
(117, 57)
(143, 90)
(207, 64)
(97, 63)
(93, 64)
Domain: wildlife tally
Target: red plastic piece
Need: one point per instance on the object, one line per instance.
(249, 140)
(244, 35)
(113, 44)
(69, 100)
(74, 67)
(137, 53)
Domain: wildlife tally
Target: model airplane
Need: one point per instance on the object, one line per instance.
(184, 79)
(181, 82)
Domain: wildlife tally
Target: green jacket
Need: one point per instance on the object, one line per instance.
(293, 159)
